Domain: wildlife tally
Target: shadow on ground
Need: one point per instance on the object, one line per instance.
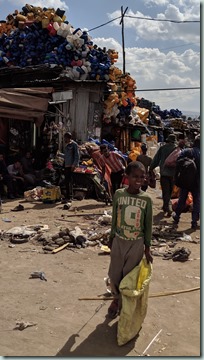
(101, 342)
(92, 206)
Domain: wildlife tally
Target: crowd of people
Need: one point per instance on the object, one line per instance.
(132, 214)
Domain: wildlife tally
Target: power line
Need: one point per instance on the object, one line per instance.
(154, 59)
(165, 20)
(175, 97)
(108, 22)
(145, 18)
(162, 89)
(167, 89)
(176, 46)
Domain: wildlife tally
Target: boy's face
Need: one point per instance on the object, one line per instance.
(136, 179)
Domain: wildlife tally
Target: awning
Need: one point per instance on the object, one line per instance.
(25, 103)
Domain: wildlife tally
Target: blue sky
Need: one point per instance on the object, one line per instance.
(158, 54)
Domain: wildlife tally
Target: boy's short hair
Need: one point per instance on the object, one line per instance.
(134, 165)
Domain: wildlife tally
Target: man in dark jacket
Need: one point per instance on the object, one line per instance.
(192, 153)
(71, 159)
(166, 173)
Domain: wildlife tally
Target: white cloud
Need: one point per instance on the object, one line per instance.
(155, 2)
(153, 69)
(157, 30)
(109, 43)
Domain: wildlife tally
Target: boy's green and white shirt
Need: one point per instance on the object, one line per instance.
(132, 216)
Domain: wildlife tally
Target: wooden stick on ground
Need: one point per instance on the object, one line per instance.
(168, 293)
(59, 248)
(151, 342)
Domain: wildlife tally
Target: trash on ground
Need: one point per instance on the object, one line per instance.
(105, 249)
(38, 274)
(105, 219)
(23, 325)
(6, 220)
(180, 254)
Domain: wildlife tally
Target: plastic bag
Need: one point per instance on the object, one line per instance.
(134, 289)
(171, 159)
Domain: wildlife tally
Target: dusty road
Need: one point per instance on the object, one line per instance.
(68, 327)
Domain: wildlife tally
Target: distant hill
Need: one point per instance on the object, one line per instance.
(192, 114)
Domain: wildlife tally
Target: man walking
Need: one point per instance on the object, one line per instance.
(166, 173)
(71, 158)
(193, 153)
(146, 161)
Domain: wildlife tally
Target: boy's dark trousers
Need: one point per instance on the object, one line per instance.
(69, 183)
(116, 179)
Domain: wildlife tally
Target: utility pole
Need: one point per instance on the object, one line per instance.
(123, 41)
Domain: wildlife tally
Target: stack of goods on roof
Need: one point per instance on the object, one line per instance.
(120, 94)
(38, 35)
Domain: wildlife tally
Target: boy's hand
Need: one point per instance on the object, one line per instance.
(148, 255)
(110, 243)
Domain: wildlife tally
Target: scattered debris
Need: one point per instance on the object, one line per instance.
(23, 325)
(105, 249)
(105, 219)
(6, 220)
(38, 274)
(60, 248)
(180, 254)
(67, 206)
(20, 239)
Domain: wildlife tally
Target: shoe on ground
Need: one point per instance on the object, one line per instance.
(174, 217)
(167, 214)
(113, 310)
(194, 226)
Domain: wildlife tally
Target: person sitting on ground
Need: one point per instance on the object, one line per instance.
(146, 161)
(195, 191)
(16, 173)
(166, 173)
(117, 165)
(5, 178)
(71, 159)
(28, 169)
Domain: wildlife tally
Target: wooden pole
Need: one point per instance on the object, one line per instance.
(123, 38)
(168, 293)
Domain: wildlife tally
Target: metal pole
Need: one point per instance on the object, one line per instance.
(123, 40)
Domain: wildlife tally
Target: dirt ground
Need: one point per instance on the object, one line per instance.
(69, 327)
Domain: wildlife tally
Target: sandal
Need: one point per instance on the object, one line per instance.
(18, 208)
(113, 310)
